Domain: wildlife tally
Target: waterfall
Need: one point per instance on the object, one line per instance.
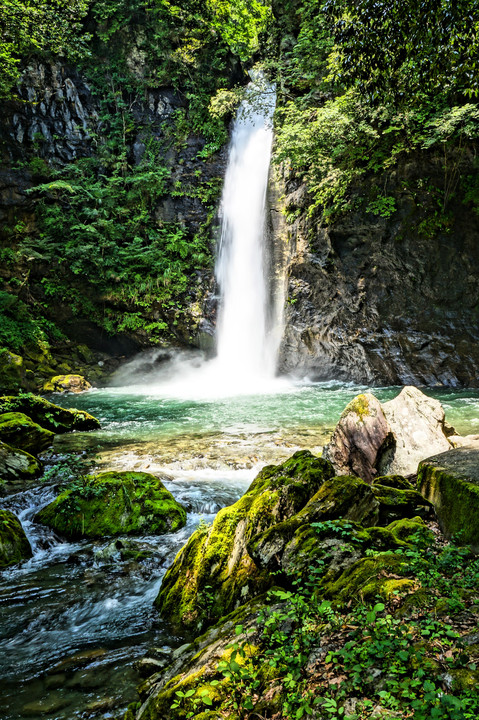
(246, 341)
(250, 315)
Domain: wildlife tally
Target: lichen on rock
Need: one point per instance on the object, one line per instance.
(67, 383)
(114, 503)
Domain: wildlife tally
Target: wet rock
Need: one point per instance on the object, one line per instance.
(19, 431)
(418, 425)
(67, 383)
(46, 706)
(14, 545)
(451, 482)
(361, 438)
(17, 465)
(47, 414)
(114, 503)
(214, 573)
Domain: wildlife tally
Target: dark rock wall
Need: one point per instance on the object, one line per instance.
(386, 300)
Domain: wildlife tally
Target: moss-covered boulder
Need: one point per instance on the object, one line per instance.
(12, 372)
(396, 503)
(450, 481)
(370, 577)
(14, 545)
(214, 573)
(67, 383)
(19, 431)
(114, 503)
(17, 465)
(47, 414)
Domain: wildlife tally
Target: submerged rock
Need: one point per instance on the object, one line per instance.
(19, 431)
(391, 438)
(47, 414)
(17, 465)
(14, 545)
(451, 482)
(214, 573)
(67, 383)
(114, 503)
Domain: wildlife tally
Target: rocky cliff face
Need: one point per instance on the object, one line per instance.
(386, 300)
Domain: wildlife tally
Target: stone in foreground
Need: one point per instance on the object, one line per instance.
(418, 425)
(47, 414)
(19, 431)
(213, 573)
(451, 482)
(67, 383)
(14, 545)
(114, 503)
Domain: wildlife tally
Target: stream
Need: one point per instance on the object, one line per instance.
(76, 618)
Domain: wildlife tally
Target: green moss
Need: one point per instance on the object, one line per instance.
(14, 545)
(366, 579)
(19, 431)
(17, 464)
(393, 481)
(452, 485)
(114, 503)
(66, 383)
(359, 405)
(396, 503)
(12, 372)
(47, 414)
(214, 573)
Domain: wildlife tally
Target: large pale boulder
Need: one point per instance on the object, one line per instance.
(418, 425)
(373, 439)
(450, 481)
(361, 438)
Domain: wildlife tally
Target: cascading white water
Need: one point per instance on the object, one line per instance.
(249, 323)
(245, 343)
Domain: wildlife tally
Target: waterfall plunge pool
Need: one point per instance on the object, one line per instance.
(76, 617)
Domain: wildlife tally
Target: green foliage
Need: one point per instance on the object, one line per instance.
(17, 326)
(387, 656)
(30, 27)
(404, 52)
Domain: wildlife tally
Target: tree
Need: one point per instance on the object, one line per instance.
(400, 51)
(30, 27)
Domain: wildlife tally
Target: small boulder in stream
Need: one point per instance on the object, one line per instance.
(67, 383)
(14, 545)
(114, 503)
(19, 431)
(17, 465)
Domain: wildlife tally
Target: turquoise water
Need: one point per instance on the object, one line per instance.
(76, 618)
